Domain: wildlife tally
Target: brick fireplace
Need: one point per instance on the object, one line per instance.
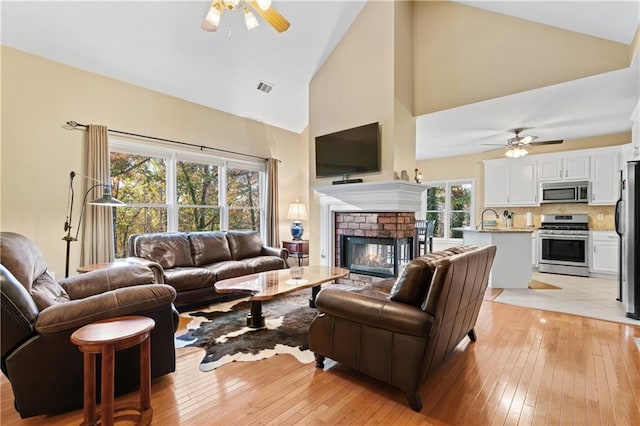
(383, 209)
(373, 243)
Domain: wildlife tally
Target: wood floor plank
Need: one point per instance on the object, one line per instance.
(527, 367)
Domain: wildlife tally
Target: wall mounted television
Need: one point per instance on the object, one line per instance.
(348, 152)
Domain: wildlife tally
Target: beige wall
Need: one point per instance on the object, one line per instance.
(404, 123)
(472, 167)
(464, 55)
(38, 152)
(355, 86)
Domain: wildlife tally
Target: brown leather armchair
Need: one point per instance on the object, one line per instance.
(39, 315)
(400, 335)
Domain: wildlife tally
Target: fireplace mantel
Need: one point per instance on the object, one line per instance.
(382, 196)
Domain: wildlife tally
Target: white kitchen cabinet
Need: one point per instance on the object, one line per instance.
(563, 166)
(605, 176)
(496, 183)
(523, 183)
(510, 182)
(605, 252)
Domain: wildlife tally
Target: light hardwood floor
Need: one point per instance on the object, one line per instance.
(527, 367)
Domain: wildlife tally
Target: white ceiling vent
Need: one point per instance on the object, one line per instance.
(265, 87)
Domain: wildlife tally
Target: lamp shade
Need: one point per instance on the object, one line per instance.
(107, 199)
(297, 211)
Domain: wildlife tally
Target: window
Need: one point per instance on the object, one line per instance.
(182, 191)
(243, 198)
(197, 197)
(140, 182)
(450, 205)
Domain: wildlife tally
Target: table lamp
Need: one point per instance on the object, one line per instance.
(297, 213)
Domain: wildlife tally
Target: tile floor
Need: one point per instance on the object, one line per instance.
(591, 297)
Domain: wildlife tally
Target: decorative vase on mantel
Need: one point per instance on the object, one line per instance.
(509, 222)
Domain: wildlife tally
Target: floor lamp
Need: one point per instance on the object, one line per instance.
(106, 200)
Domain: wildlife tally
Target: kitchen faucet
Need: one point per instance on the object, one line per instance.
(482, 217)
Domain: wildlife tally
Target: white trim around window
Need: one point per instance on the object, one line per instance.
(447, 210)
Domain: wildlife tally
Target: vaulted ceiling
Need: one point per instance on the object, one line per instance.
(160, 46)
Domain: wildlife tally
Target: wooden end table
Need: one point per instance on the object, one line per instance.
(298, 249)
(270, 284)
(105, 338)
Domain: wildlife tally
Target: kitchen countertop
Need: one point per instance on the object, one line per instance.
(495, 230)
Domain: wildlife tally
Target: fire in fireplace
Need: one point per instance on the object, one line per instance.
(378, 257)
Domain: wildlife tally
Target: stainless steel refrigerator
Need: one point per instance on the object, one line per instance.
(627, 218)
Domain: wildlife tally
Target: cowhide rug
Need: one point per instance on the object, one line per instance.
(221, 330)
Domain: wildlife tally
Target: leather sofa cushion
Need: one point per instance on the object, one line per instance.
(244, 244)
(460, 249)
(410, 287)
(230, 269)
(209, 247)
(413, 284)
(170, 250)
(266, 263)
(47, 292)
(22, 258)
(189, 278)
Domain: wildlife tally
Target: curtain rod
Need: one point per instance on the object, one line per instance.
(201, 147)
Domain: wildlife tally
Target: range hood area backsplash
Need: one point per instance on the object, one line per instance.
(600, 217)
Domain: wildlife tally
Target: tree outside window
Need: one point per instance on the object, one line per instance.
(197, 196)
(140, 182)
(450, 205)
(243, 198)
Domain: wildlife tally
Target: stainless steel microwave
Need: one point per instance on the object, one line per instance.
(564, 192)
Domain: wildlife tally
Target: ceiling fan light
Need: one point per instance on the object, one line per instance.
(264, 4)
(516, 152)
(214, 14)
(250, 19)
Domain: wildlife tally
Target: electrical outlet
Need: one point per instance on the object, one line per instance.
(600, 216)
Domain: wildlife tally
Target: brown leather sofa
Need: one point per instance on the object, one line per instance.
(399, 332)
(191, 262)
(39, 315)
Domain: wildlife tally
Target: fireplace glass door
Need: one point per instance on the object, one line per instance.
(378, 257)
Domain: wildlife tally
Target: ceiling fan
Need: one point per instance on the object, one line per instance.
(516, 146)
(261, 7)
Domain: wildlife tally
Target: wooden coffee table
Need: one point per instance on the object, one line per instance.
(267, 285)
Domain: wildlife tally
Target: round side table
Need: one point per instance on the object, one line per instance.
(105, 338)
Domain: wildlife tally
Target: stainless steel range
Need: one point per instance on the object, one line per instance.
(564, 244)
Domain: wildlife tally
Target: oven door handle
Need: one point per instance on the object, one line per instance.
(564, 237)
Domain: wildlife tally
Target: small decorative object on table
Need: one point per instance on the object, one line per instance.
(508, 218)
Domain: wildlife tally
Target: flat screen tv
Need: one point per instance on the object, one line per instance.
(348, 152)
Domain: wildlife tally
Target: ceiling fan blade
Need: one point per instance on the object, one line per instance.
(547, 142)
(277, 21)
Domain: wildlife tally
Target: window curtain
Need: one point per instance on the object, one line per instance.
(273, 228)
(97, 229)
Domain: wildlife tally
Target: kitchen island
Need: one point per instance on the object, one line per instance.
(512, 264)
